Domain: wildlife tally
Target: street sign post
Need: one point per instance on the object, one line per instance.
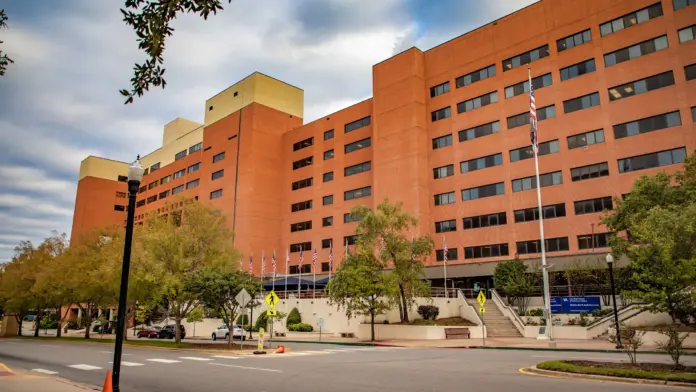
(482, 310)
(320, 324)
(260, 345)
(271, 313)
(243, 299)
(481, 299)
(272, 299)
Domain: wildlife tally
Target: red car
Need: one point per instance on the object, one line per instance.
(149, 332)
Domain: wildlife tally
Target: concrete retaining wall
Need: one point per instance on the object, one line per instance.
(409, 332)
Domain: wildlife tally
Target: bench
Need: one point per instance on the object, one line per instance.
(457, 333)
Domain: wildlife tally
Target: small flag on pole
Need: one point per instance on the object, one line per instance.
(330, 260)
(444, 249)
(273, 262)
(241, 265)
(251, 266)
(263, 263)
(314, 260)
(532, 113)
(287, 261)
(301, 259)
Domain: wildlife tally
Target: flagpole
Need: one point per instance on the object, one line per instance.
(287, 272)
(299, 280)
(544, 265)
(444, 264)
(274, 270)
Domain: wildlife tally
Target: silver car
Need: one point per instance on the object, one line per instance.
(223, 332)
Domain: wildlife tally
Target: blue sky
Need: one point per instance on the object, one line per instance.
(59, 102)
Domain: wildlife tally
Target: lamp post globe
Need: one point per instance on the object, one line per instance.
(610, 261)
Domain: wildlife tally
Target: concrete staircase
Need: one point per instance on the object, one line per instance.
(497, 325)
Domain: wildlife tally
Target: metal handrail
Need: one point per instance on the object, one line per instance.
(466, 303)
(516, 317)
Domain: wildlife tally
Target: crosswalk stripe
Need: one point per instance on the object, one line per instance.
(224, 357)
(163, 360)
(44, 371)
(124, 363)
(84, 367)
(196, 358)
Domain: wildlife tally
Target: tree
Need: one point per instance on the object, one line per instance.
(361, 288)
(196, 316)
(384, 232)
(631, 341)
(513, 277)
(674, 346)
(49, 288)
(4, 60)
(150, 19)
(15, 287)
(217, 289)
(191, 237)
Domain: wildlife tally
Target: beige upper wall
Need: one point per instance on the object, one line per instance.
(177, 128)
(258, 88)
(165, 154)
(102, 168)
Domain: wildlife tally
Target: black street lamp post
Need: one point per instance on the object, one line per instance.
(135, 175)
(610, 261)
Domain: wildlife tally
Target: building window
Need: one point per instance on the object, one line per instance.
(523, 87)
(586, 139)
(578, 69)
(589, 241)
(301, 206)
(142, 189)
(693, 114)
(151, 199)
(329, 134)
(442, 141)
(192, 184)
(523, 118)
(328, 176)
(534, 246)
(294, 269)
(350, 240)
(165, 180)
(215, 194)
(439, 90)
(295, 248)
(573, 41)
(301, 226)
(327, 200)
(363, 122)
(326, 243)
(119, 208)
(532, 213)
(446, 226)
(527, 183)
(121, 195)
(444, 198)
(631, 19)
(444, 171)
(302, 183)
(580, 103)
(690, 71)
(356, 169)
(687, 34)
(303, 144)
(635, 51)
(140, 203)
(476, 222)
(483, 191)
(645, 125)
(147, 170)
(164, 195)
(195, 148)
(325, 267)
(177, 189)
(180, 154)
(481, 163)
(525, 58)
(592, 206)
(590, 171)
(194, 168)
(350, 217)
(357, 193)
(480, 131)
(683, 3)
(451, 254)
(180, 173)
(355, 146)
(154, 167)
(478, 252)
(656, 159)
(218, 157)
(302, 163)
(475, 103)
(527, 152)
(441, 114)
(327, 221)
(328, 154)
(641, 86)
(153, 185)
(122, 179)
(218, 174)
(475, 76)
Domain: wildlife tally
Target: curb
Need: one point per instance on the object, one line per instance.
(623, 380)
(328, 342)
(576, 350)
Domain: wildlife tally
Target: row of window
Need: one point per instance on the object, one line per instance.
(191, 150)
(164, 194)
(352, 126)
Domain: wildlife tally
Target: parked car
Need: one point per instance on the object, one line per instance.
(167, 332)
(149, 332)
(224, 332)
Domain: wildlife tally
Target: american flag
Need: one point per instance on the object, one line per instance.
(314, 259)
(263, 263)
(532, 113)
(241, 265)
(251, 268)
(330, 257)
(383, 246)
(287, 261)
(273, 262)
(444, 249)
(301, 259)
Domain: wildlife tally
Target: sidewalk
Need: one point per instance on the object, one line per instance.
(18, 381)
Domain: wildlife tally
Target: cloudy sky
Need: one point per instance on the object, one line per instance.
(59, 102)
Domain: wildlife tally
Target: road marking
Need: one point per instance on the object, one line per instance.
(337, 351)
(2, 365)
(224, 357)
(163, 360)
(313, 352)
(124, 363)
(85, 367)
(44, 371)
(48, 345)
(248, 368)
(111, 352)
(196, 358)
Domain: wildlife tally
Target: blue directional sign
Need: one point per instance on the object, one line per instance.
(580, 304)
(556, 306)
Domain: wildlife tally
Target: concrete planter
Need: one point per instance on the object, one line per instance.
(410, 332)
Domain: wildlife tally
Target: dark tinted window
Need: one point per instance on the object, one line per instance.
(301, 206)
(357, 193)
(356, 169)
(574, 40)
(439, 89)
(532, 213)
(481, 163)
(442, 141)
(328, 177)
(635, 51)
(294, 248)
(589, 241)
(451, 254)
(632, 19)
(180, 154)
(683, 3)
(525, 58)
(328, 154)
(483, 191)
(475, 222)
(523, 118)
(303, 144)
(218, 157)
(475, 103)
(523, 87)
(656, 159)
(326, 200)
(552, 245)
(441, 114)
(649, 124)
(355, 146)
(192, 184)
(579, 103)
(690, 71)
(476, 76)
(527, 183)
(302, 183)
(593, 205)
(444, 171)
(641, 86)
(216, 194)
(446, 226)
(444, 198)
(327, 221)
(363, 122)
(300, 226)
(480, 131)
(478, 252)
(527, 152)
(329, 134)
(586, 139)
(578, 69)
(590, 171)
(302, 163)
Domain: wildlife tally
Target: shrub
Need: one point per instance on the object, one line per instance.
(599, 313)
(294, 317)
(262, 321)
(631, 341)
(243, 319)
(530, 321)
(300, 327)
(535, 312)
(428, 312)
(674, 346)
(572, 321)
(385, 322)
(583, 320)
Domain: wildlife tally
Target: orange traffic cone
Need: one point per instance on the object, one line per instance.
(280, 350)
(107, 382)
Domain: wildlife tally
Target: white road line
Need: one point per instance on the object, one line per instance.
(48, 345)
(130, 364)
(195, 359)
(85, 367)
(111, 352)
(44, 371)
(163, 360)
(314, 352)
(225, 357)
(248, 368)
(337, 351)
(581, 358)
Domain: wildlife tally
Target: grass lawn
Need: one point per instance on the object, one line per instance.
(147, 343)
(443, 322)
(629, 371)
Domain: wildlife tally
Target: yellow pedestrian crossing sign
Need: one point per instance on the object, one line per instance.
(272, 313)
(482, 310)
(481, 298)
(272, 299)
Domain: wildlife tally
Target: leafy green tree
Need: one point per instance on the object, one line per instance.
(196, 316)
(261, 322)
(14, 288)
(294, 317)
(151, 21)
(518, 284)
(385, 232)
(361, 288)
(4, 60)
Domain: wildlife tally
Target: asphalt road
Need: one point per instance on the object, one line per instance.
(307, 368)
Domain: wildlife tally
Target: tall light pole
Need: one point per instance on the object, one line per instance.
(135, 175)
(610, 261)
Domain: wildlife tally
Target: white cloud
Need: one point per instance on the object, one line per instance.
(31, 205)
(30, 179)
